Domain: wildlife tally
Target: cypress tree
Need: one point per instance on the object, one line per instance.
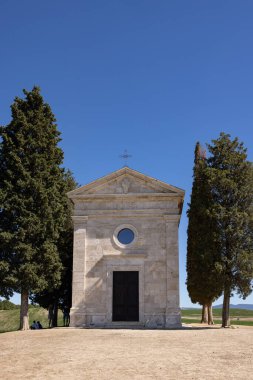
(32, 213)
(61, 296)
(6, 278)
(203, 283)
(5, 289)
(230, 177)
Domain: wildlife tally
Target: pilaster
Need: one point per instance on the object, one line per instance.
(173, 313)
(77, 312)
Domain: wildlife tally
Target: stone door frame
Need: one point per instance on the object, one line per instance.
(109, 286)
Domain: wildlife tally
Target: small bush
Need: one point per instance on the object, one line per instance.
(8, 305)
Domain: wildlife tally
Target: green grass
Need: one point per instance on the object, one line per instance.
(187, 316)
(218, 322)
(9, 319)
(239, 313)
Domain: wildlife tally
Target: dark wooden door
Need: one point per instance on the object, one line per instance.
(125, 296)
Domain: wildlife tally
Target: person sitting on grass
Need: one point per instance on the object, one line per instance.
(39, 325)
(34, 326)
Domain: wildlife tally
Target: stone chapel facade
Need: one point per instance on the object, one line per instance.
(125, 259)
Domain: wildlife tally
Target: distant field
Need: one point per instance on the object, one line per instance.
(9, 319)
(238, 316)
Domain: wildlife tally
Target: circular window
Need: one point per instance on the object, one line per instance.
(125, 236)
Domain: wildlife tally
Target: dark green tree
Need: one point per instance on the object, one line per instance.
(61, 296)
(31, 210)
(230, 178)
(203, 282)
(5, 278)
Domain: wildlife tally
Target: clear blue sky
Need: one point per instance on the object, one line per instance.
(150, 76)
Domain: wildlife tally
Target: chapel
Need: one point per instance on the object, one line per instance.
(125, 258)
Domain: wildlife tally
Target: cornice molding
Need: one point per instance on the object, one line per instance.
(80, 219)
(171, 218)
(125, 196)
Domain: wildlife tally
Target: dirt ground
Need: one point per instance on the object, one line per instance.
(190, 353)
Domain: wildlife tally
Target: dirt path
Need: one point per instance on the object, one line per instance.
(210, 353)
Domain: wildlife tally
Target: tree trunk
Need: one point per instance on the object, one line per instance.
(210, 314)
(225, 308)
(55, 313)
(24, 314)
(204, 318)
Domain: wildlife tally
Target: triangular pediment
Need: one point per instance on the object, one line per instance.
(125, 181)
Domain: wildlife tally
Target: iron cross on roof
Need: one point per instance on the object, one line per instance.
(125, 156)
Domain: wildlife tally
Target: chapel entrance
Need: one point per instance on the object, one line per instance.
(125, 296)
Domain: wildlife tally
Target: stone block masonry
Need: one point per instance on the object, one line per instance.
(126, 221)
